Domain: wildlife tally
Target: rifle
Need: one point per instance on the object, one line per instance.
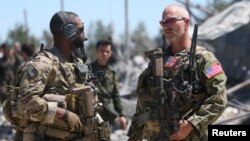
(94, 128)
(156, 57)
(191, 84)
(192, 54)
(172, 123)
(167, 109)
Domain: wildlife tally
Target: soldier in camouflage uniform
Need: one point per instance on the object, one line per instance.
(107, 85)
(201, 108)
(8, 67)
(45, 100)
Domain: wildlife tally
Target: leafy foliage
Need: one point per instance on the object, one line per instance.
(19, 33)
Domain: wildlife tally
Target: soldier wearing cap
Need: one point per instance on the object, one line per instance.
(193, 112)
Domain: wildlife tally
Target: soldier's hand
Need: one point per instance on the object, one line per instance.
(123, 122)
(73, 120)
(184, 130)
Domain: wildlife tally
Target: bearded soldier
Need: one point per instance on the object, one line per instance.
(192, 96)
(53, 99)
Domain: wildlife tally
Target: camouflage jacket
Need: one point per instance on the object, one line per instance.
(8, 68)
(108, 92)
(46, 73)
(211, 99)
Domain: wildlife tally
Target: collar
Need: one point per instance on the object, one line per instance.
(58, 54)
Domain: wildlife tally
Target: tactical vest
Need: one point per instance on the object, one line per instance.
(174, 76)
(80, 100)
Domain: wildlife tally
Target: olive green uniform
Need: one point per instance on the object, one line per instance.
(108, 92)
(208, 104)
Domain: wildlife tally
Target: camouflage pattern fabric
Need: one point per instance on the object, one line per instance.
(8, 68)
(212, 97)
(108, 92)
(43, 75)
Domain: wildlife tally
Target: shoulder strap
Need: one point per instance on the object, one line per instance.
(64, 71)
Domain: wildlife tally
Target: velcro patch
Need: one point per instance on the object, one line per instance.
(31, 71)
(213, 70)
(170, 62)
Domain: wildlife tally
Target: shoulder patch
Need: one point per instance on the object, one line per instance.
(31, 71)
(213, 70)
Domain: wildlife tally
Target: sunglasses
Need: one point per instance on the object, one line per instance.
(80, 29)
(171, 20)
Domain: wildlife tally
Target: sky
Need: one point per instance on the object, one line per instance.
(39, 13)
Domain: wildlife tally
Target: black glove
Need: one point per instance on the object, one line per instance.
(73, 120)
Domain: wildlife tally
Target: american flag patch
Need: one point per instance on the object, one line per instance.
(31, 71)
(170, 62)
(213, 70)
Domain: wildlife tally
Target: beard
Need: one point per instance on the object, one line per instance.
(79, 49)
(78, 43)
(78, 53)
(174, 35)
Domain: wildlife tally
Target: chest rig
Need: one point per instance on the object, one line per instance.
(171, 81)
(82, 99)
(180, 77)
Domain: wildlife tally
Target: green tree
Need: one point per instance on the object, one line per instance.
(19, 33)
(47, 38)
(141, 39)
(96, 31)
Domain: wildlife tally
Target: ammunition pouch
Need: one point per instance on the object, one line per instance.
(84, 102)
(89, 125)
(104, 131)
(71, 102)
(95, 132)
(55, 131)
(81, 102)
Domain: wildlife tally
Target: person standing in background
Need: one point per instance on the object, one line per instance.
(108, 92)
